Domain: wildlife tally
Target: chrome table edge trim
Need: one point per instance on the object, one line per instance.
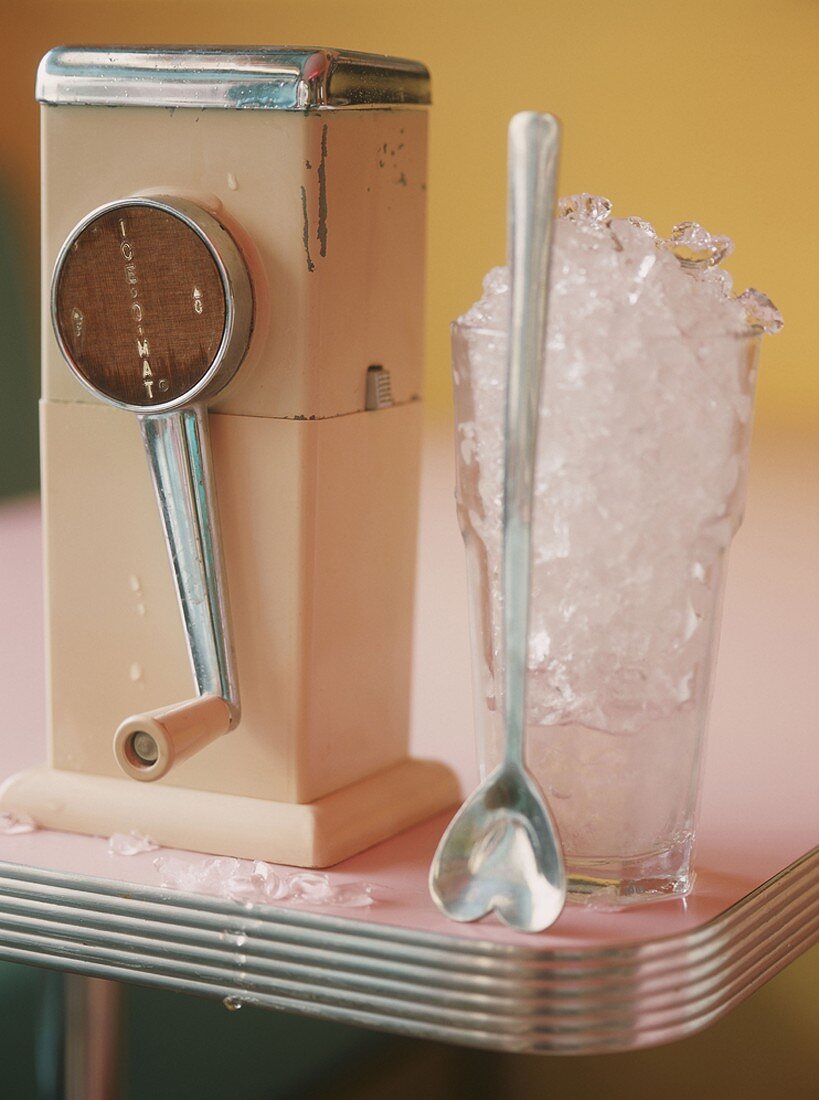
(445, 987)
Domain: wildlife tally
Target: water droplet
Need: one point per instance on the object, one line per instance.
(558, 794)
(134, 583)
(140, 608)
(135, 672)
(467, 430)
(760, 310)
(232, 1004)
(696, 248)
(234, 938)
(231, 182)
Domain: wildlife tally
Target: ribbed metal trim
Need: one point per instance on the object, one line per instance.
(444, 987)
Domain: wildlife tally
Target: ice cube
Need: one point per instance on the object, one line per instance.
(257, 882)
(643, 226)
(231, 878)
(585, 209)
(271, 885)
(181, 874)
(352, 895)
(13, 824)
(760, 310)
(130, 844)
(696, 248)
(312, 886)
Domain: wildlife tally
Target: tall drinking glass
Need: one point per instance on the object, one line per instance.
(638, 495)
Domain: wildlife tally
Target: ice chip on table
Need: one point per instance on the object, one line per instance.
(14, 824)
(353, 895)
(255, 882)
(309, 885)
(130, 844)
(270, 883)
(645, 413)
(218, 877)
(316, 888)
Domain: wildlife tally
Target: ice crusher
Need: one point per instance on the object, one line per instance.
(233, 276)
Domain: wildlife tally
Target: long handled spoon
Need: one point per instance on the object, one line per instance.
(501, 852)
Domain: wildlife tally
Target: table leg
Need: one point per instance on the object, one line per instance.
(92, 1038)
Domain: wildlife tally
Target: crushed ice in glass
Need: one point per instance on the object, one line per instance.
(255, 882)
(760, 310)
(644, 417)
(130, 844)
(585, 208)
(15, 824)
(696, 247)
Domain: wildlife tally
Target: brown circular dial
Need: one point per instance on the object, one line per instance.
(139, 305)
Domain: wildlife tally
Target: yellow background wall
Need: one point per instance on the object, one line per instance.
(702, 110)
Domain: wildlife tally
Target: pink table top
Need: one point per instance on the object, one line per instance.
(760, 810)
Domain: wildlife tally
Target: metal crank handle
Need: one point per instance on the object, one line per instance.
(148, 745)
(153, 308)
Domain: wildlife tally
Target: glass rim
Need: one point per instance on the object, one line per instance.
(753, 332)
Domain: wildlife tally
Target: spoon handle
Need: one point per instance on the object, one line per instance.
(534, 142)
